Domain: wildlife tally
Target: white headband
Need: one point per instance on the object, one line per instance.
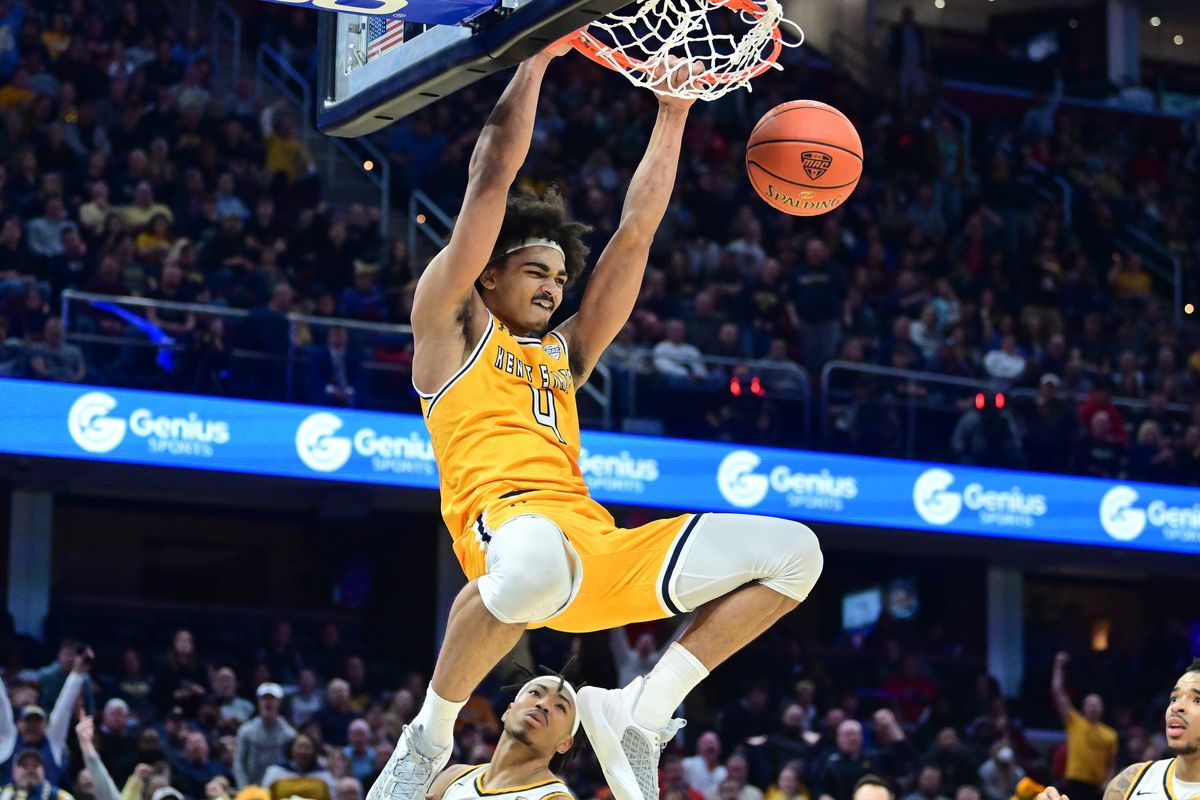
(566, 687)
(553, 245)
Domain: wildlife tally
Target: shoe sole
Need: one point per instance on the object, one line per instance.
(607, 746)
(381, 788)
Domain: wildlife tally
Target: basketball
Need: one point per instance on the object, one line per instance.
(804, 158)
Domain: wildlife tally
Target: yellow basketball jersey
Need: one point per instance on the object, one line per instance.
(505, 424)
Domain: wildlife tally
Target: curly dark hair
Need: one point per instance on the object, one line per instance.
(529, 215)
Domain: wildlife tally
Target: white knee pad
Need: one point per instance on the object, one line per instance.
(532, 571)
(725, 551)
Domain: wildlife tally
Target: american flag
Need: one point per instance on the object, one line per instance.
(383, 35)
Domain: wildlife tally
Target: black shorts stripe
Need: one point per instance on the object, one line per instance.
(664, 589)
(514, 493)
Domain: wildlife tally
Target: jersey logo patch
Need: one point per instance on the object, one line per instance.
(555, 351)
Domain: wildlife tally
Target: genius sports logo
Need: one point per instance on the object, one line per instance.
(317, 446)
(1123, 519)
(938, 503)
(743, 486)
(90, 425)
(323, 446)
(95, 428)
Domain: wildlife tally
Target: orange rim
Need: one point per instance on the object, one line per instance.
(597, 51)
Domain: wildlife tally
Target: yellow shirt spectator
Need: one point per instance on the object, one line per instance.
(1091, 748)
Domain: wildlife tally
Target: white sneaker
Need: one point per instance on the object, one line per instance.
(409, 772)
(628, 753)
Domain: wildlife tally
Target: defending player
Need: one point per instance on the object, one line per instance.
(539, 729)
(498, 395)
(1175, 778)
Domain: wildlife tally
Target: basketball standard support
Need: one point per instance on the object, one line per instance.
(1006, 628)
(29, 548)
(437, 62)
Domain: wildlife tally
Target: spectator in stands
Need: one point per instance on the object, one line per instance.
(414, 147)
(335, 718)
(630, 662)
(1000, 774)
(180, 681)
(144, 208)
(349, 788)
(1129, 279)
(953, 760)
(908, 52)
(287, 156)
(1005, 362)
(674, 779)
(704, 771)
(262, 741)
(29, 779)
(224, 692)
(788, 785)
(1152, 456)
(281, 654)
(364, 300)
(1049, 426)
(894, 751)
(839, 772)
(705, 321)
(929, 785)
(1091, 745)
(12, 353)
(301, 775)
(52, 677)
(33, 732)
(816, 295)
(1099, 452)
(1099, 398)
(195, 767)
(115, 740)
(334, 371)
(675, 358)
(359, 753)
(739, 778)
(306, 701)
(53, 359)
(45, 232)
(987, 435)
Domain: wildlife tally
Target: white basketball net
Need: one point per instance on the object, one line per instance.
(728, 46)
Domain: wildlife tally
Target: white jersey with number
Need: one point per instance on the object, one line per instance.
(469, 786)
(1156, 780)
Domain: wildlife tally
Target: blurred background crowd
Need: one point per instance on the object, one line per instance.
(130, 172)
(307, 711)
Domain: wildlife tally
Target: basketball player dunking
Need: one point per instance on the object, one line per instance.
(539, 730)
(498, 395)
(1175, 778)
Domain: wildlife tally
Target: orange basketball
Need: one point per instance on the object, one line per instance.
(804, 158)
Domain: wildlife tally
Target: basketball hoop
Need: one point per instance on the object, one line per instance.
(634, 44)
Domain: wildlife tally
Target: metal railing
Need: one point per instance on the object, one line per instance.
(1160, 260)
(422, 214)
(364, 156)
(300, 333)
(919, 391)
(788, 383)
(226, 41)
(1058, 188)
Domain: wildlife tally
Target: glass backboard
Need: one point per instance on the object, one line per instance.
(377, 69)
